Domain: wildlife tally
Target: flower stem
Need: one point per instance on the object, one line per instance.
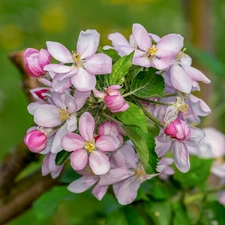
(112, 119)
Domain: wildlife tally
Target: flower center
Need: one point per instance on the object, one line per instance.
(152, 50)
(77, 60)
(140, 173)
(181, 54)
(89, 146)
(63, 115)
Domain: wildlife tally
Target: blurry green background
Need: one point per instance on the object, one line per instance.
(30, 23)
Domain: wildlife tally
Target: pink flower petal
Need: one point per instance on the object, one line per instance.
(98, 64)
(141, 37)
(107, 143)
(179, 79)
(79, 159)
(59, 52)
(72, 142)
(128, 191)
(181, 156)
(126, 156)
(57, 68)
(196, 136)
(83, 81)
(162, 63)
(47, 116)
(142, 61)
(195, 74)
(99, 162)
(169, 45)
(118, 40)
(116, 175)
(80, 98)
(88, 42)
(82, 184)
(33, 106)
(86, 126)
(99, 191)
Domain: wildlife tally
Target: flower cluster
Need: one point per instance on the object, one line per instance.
(98, 108)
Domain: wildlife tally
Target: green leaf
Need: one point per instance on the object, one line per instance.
(61, 157)
(212, 213)
(133, 217)
(148, 84)
(180, 216)
(116, 218)
(160, 212)
(48, 203)
(198, 173)
(111, 53)
(120, 69)
(145, 147)
(133, 116)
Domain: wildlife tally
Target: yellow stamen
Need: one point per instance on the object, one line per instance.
(63, 115)
(77, 60)
(89, 146)
(152, 50)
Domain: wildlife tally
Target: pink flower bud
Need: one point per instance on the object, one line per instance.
(40, 93)
(178, 129)
(114, 101)
(35, 61)
(36, 140)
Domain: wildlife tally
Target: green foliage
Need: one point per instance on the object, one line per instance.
(133, 116)
(145, 147)
(160, 212)
(197, 175)
(212, 213)
(61, 157)
(48, 203)
(179, 214)
(120, 69)
(111, 53)
(148, 84)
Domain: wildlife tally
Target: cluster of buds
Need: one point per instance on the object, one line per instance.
(94, 101)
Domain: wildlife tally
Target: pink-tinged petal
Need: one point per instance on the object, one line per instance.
(179, 79)
(70, 103)
(59, 52)
(80, 98)
(107, 143)
(141, 61)
(218, 169)
(108, 128)
(82, 184)
(57, 68)
(98, 64)
(33, 106)
(56, 173)
(185, 60)
(141, 37)
(99, 162)
(126, 50)
(199, 107)
(195, 74)
(39, 93)
(181, 156)
(51, 162)
(45, 81)
(72, 142)
(116, 187)
(163, 144)
(86, 126)
(116, 175)
(169, 45)
(128, 191)
(44, 58)
(56, 144)
(88, 42)
(61, 85)
(162, 63)
(47, 116)
(99, 94)
(126, 156)
(79, 159)
(71, 123)
(196, 136)
(45, 167)
(154, 37)
(118, 40)
(99, 191)
(83, 81)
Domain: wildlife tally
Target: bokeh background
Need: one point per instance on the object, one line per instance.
(26, 23)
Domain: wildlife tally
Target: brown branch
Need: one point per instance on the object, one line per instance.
(17, 196)
(24, 194)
